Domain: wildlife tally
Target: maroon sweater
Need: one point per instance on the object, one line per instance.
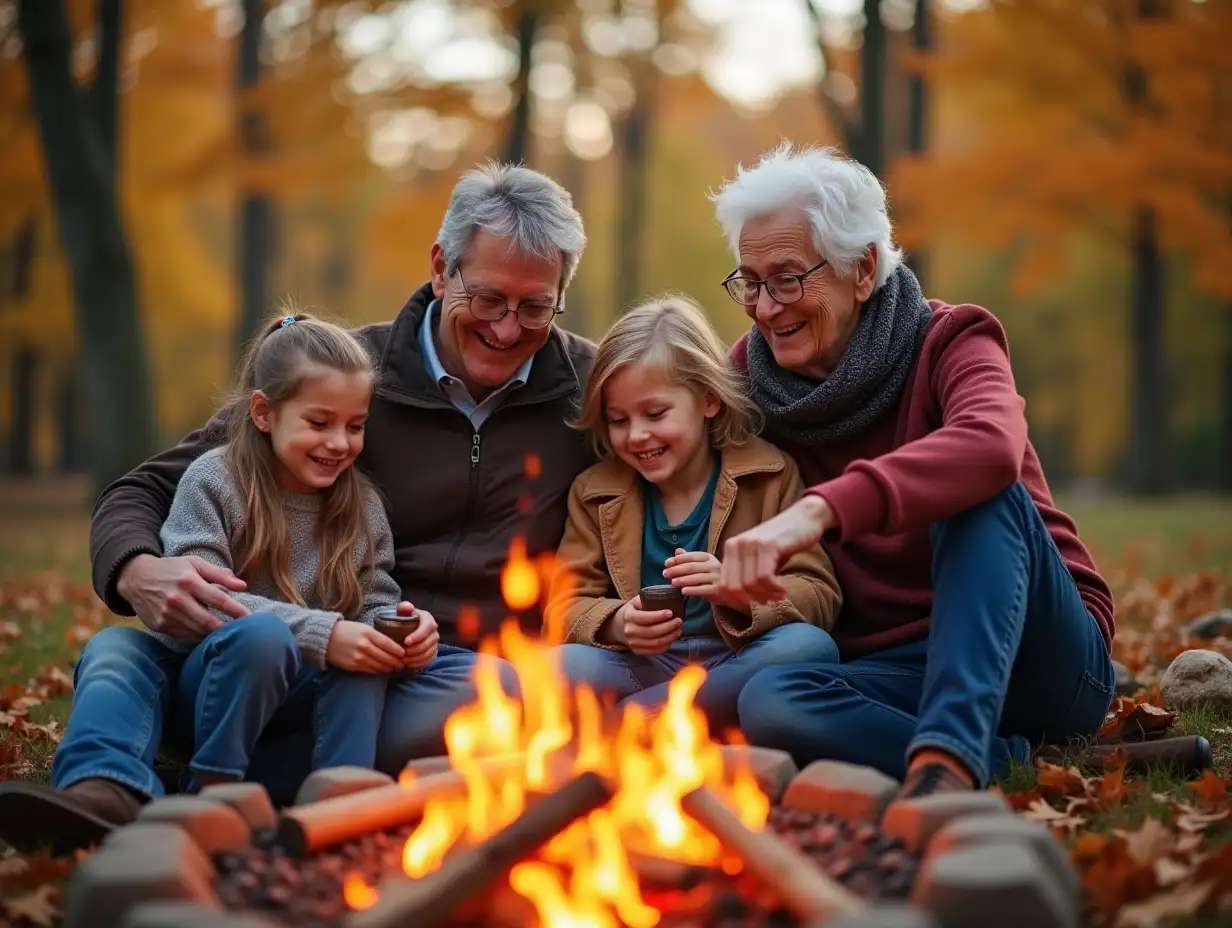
(957, 438)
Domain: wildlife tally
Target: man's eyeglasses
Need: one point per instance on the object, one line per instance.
(492, 307)
(784, 288)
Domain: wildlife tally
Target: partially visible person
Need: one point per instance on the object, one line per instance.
(974, 622)
(473, 375)
(683, 472)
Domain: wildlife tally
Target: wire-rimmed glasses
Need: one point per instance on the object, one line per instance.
(784, 288)
(492, 307)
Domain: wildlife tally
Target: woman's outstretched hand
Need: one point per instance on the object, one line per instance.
(751, 560)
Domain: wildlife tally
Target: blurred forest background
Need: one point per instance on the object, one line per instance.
(169, 169)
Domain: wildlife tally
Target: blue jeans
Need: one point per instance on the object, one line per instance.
(1013, 658)
(644, 680)
(123, 687)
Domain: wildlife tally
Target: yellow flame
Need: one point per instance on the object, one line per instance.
(357, 893)
(519, 578)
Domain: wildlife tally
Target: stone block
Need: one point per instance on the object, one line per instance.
(190, 915)
(772, 769)
(339, 781)
(853, 791)
(1006, 885)
(215, 826)
(250, 800)
(886, 915)
(915, 821)
(979, 830)
(142, 862)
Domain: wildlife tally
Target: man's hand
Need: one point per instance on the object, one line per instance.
(421, 644)
(751, 560)
(646, 632)
(174, 595)
(694, 573)
(360, 648)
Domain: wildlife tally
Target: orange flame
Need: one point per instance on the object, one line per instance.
(519, 580)
(356, 893)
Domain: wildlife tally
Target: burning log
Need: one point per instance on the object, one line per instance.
(309, 828)
(810, 893)
(433, 899)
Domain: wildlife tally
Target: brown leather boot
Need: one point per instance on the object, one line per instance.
(33, 816)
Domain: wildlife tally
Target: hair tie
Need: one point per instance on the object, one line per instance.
(286, 321)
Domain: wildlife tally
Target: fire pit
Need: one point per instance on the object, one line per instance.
(553, 810)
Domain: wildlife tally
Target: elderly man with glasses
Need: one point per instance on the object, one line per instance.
(974, 623)
(467, 437)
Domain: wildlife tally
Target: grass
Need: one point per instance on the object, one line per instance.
(45, 594)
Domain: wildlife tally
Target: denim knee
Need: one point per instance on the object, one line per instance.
(767, 710)
(1012, 508)
(259, 644)
(799, 643)
(582, 663)
(121, 648)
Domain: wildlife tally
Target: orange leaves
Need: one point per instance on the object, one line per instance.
(1212, 787)
(1133, 720)
(29, 889)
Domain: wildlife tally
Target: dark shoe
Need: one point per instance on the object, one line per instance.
(928, 779)
(33, 816)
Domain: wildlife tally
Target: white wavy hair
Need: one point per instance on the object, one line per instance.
(842, 198)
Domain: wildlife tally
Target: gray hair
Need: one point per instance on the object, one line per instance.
(530, 209)
(843, 199)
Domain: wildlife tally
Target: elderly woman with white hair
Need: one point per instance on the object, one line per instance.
(974, 623)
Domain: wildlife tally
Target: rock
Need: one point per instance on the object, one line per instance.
(142, 862)
(850, 790)
(887, 915)
(772, 769)
(250, 800)
(915, 821)
(979, 830)
(1211, 625)
(339, 781)
(1197, 677)
(189, 915)
(215, 826)
(1006, 885)
(1126, 683)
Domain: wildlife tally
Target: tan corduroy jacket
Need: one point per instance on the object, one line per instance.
(600, 556)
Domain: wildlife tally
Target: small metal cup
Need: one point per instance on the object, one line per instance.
(663, 596)
(393, 626)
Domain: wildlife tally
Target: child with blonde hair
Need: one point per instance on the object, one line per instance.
(282, 506)
(682, 471)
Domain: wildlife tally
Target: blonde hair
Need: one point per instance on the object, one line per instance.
(277, 363)
(672, 333)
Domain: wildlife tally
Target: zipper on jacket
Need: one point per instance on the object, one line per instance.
(472, 491)
(475, 450)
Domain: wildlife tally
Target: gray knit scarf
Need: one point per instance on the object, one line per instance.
(867, 381)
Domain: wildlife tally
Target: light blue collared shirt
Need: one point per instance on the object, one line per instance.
(455, 390)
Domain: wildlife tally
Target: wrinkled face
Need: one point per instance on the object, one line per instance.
(807, 336)
(318, 433)
(483, 354)
(660, 429)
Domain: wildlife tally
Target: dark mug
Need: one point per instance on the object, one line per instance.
(663, 596)
(393, 626)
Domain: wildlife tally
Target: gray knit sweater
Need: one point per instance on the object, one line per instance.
(207, 514)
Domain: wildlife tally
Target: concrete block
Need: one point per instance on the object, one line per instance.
(215, 826)
(887, 915)
(978, 830)
(1006, 885)
(250, 800)
(853, 791)
(339, 781)
(915, 821)
(190, 915)
(772, 769)
(142, 862)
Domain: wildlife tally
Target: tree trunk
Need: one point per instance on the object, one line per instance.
(634, 159)
(21, 433)
(106, 99)
(1223, 466)
(870, 150)
(917, 115)
(517, 145)
(254, 242)
(68, 421)
(1148, 405)
(83, 190)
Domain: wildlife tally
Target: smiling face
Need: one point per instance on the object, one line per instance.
(809, 335)
(482, 354)
(658, 428)
(318, 432)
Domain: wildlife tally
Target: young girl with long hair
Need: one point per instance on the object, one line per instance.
(282, 506)
(682, 471)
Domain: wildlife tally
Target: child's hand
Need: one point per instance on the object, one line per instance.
(646, 632)
(694, 573)
(421, 644)
(361, 648)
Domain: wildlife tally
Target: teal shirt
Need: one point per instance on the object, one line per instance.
(660, 539)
